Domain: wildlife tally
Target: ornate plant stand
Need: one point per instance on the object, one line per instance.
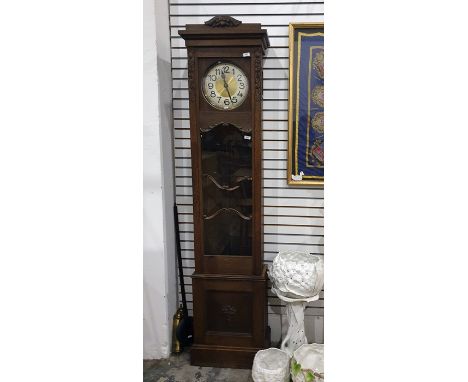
(297, 279)
(295, 309)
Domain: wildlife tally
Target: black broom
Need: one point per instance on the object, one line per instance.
(184, 331)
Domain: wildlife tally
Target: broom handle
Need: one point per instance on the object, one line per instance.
(179, 261)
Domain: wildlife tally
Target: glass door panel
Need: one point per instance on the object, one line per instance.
(227, 233)
(227, 190)
(237, 196)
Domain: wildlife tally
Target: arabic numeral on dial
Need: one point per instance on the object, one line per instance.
(239, 94)
(239, 77)
(226, 69)
(241, 85)
(212, 77)
(226, 101)
(210, 85)
(213, 94)
(234, 99)
(219, 99)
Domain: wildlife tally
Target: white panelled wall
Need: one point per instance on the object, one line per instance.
(159, 274)
(293, 216)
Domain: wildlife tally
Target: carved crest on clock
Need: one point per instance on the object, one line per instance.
(223, 22)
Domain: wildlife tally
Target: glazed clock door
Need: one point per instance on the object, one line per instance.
(226, 164)
(226, 177)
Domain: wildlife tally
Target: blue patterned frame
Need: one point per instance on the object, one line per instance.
(306, 104)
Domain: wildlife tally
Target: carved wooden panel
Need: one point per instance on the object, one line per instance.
(229, 312)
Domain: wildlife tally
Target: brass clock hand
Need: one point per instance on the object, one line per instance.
(226, 86)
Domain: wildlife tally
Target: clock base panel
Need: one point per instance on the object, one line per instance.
(226, 356)
(230, 319)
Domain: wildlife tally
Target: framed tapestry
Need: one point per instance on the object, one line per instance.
(306, 104)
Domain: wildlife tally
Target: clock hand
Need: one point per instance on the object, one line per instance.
(229, 94)
(226, 86)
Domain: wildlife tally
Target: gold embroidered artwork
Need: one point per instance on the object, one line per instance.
(317, 122)
(319, 65)
(306, 104)
(318, 95)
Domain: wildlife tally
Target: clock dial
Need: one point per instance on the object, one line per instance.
(225, 86)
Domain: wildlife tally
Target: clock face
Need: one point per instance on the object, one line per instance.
(225, 86)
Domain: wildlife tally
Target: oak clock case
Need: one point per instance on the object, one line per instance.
(229, 281)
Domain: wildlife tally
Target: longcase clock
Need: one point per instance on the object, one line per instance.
(229, 282)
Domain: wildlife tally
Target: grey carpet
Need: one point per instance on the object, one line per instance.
(178, 369)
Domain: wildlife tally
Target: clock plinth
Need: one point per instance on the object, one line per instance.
(230, 319)
(229, 283)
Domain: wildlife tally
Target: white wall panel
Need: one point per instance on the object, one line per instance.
(159, 276)
(241, 2)
(275, 9)
(293, 216)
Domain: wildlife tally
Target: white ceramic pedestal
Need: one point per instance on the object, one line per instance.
(295, 308)
(297, 278)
